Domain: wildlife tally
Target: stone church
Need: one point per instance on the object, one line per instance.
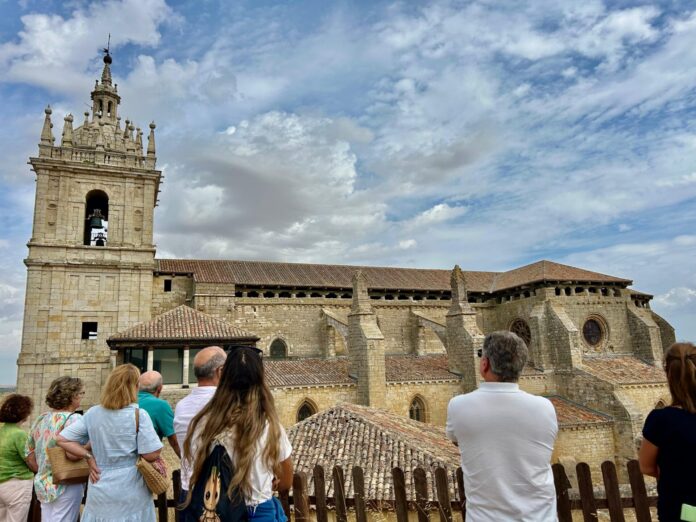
(403, 340)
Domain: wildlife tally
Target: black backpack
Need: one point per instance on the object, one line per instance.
(209, 500)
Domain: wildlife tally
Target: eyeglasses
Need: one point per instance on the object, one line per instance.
(479, 352)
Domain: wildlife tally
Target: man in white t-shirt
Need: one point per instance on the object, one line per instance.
(207, 366)
(506, 438)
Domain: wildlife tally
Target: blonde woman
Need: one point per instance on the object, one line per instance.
(117, 491)
(59, 503)
(242, 417)
(669, 439)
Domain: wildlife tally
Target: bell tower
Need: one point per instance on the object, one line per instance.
(91, 253)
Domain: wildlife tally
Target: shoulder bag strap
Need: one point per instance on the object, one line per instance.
(137, 427)
(65, 421)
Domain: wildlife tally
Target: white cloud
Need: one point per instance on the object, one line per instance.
(437, 214)
(53, 51)
(674, 297)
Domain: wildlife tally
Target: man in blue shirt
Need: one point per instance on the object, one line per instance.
(150, 387)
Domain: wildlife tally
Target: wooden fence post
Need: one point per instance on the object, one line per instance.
(320, 494)
(443, 498)
(587, 498)
(640, 494)
(420, 481)
(400, 502)
(561, 482)
(613, 494)
(162, 511)
(176, 487)
(299, 497)
(284, 497)
(359, 494)
(340, 494)
(461, 493)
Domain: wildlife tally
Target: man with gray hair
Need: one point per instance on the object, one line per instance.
(159, 410)
(506, 438)
(207, 367)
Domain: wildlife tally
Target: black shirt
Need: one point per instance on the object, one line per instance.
(673, 431)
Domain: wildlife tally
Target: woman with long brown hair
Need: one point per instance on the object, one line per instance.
(117, 491)
(242, 418)
(669, 439)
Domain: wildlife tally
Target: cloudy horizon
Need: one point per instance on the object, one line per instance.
(380, 133)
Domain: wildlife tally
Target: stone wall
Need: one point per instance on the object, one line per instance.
(289, 400)
(181, 293)
(592, 444)
(436, 396)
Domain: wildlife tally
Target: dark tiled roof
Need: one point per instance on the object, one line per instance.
(182, 323)
(318, 372)
(348, 435)
(623, 370)
(264, 273)
(570, 414)
(306, 372)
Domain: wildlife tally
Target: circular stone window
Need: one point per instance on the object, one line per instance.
(521, 328)
(593, 332)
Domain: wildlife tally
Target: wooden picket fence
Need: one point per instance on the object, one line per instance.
(302, 507)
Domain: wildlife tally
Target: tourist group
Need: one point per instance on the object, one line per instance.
(235, 454)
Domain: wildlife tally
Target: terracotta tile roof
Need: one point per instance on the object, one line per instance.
(570, 414)
(264, 273)
(410, 368)
(318, 372)
(349, 435)
(623, 370)
(306, 372)
(633, 291)
(182, 323)
(550, 271)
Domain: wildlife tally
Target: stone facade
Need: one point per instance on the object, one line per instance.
(400, 339)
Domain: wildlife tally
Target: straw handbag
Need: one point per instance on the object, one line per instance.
(156, 475)
(66, 471)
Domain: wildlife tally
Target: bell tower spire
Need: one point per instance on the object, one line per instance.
(105, 98)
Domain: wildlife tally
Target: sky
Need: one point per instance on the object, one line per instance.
(418, 134)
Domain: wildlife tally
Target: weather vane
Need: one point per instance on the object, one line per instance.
(107, 56)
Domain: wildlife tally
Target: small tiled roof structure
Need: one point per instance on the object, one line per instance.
(298, 275)
(570, 414)
(322, 372)
(624, 369)
(182, 324)
(348, 435)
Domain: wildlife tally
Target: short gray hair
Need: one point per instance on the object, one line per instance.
(507, 354)
(207, 370)
(152, 387)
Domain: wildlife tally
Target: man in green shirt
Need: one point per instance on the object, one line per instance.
(159, 410)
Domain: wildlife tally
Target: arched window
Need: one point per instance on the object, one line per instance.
(278, 350)
(305, 410)
(521, 328)
(96, 218)
(417, 409)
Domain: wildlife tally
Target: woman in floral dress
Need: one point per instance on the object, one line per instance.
(59, 503)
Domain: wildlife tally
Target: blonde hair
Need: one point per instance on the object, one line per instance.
(242, 406)
(680, 366)
(121, 388)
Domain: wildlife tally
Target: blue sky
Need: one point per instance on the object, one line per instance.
(488, 134)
